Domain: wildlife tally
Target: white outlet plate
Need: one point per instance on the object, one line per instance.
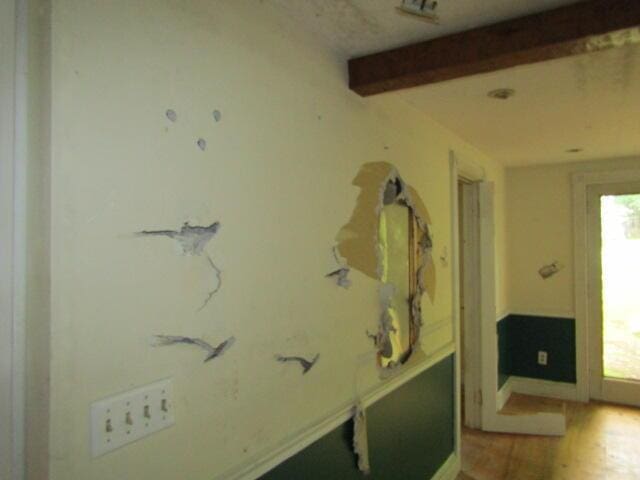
(130, 416)
(542, 357)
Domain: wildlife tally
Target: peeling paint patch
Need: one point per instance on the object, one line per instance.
(192, 238)
(360, 439)
(548, 271)
(172, 115)
(304, 363)
(212, 352)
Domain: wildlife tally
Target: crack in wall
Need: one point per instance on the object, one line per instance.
(212, 352)
(193, 239)
(304, 363)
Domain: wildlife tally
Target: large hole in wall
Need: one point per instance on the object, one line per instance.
(387, 238)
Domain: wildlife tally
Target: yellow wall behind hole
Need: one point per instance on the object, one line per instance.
(276, 173)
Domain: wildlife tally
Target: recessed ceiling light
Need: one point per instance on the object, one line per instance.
(573, 150)
(502, 93)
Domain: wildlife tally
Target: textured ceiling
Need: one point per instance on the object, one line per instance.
(589, 102)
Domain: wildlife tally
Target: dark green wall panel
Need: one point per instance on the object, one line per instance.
(411, 434)
(520, 337)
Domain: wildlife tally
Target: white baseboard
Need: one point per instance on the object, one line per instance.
(503, 394)
(544, 388)
(449, 469)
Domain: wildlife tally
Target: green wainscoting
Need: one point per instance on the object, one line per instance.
(520, 337)
(411, 434)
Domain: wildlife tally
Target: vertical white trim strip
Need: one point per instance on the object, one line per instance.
(455, 298)
(7, 159)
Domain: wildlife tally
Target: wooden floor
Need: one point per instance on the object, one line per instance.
(602, 443)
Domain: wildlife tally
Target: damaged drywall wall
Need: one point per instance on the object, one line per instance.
(361, 243)
(339, 271)
(304, 363)
(360, 438)
(192, 240)
(212, 352)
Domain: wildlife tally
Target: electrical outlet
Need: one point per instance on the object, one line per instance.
(130, 416)
(542, 357)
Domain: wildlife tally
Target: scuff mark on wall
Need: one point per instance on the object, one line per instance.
(212, 352)
(359, 243)
(217, 115)
(360, 439)
(340, 272)
(202, 144)
(306, 364)
(548, 271)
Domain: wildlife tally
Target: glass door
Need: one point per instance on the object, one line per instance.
(614, 291)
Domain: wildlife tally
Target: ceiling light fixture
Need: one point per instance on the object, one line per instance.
(422, 9)
(502, 93)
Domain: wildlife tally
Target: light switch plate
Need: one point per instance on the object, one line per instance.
(130, 416)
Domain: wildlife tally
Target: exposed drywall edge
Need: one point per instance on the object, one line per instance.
(504, 393)
(543, 388)
(449, 469)
(297, 442)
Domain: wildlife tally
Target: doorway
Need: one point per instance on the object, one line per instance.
(613, 246)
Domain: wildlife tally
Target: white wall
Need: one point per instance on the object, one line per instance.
(277, 173)
(540, 226)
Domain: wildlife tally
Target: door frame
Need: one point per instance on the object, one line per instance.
(13, 147)
(581, 183)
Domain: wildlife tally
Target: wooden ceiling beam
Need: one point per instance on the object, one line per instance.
(583, 27)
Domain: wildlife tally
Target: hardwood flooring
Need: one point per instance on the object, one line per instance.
(602, 443)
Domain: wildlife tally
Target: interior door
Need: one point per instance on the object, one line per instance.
(613, 249)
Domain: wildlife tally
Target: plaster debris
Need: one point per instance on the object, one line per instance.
(192, 238)
(212, 352)
(360, 439)
(218, 273)
(202, 144)
(172, 115)
(217, 115)
(548, 271)
(306, 364)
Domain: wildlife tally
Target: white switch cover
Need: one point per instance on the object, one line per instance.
(129, 416)
(542, 357)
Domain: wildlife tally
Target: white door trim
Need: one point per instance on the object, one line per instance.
(13, 104)
(458, 168)
(601, 388)
(581, 181)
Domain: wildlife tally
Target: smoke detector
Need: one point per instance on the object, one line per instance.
(422, 9)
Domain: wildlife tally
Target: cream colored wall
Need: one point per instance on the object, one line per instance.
(276, 173)
(540, 226)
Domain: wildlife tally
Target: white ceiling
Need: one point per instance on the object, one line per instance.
(589, 101)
